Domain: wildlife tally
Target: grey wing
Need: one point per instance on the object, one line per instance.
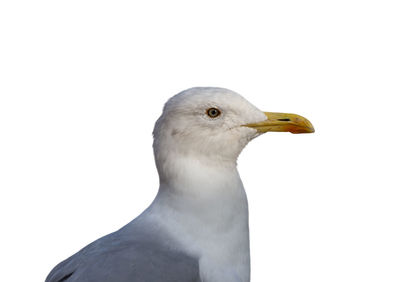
(115, 260)
(64, 270)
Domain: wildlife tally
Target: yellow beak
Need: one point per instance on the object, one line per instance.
(283, 123)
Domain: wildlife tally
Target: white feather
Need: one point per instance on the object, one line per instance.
(201, 201)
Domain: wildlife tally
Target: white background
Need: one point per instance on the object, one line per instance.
(82, 83)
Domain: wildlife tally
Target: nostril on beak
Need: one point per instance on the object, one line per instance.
(284, 119)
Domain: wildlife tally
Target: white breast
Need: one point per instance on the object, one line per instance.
(205, 209)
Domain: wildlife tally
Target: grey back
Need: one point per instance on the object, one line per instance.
(132, 254)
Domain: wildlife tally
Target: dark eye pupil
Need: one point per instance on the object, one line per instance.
(213, 112)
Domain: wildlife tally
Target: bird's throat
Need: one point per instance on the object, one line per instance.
(205, 209)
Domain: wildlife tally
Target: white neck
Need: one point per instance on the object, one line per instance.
(204, 206)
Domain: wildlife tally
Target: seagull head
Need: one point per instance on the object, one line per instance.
(214, 125)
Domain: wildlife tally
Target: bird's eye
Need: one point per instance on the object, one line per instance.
(213, 112)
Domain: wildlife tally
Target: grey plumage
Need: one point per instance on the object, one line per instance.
(135, 253)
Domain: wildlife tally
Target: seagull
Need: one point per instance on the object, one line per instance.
(196, 229)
